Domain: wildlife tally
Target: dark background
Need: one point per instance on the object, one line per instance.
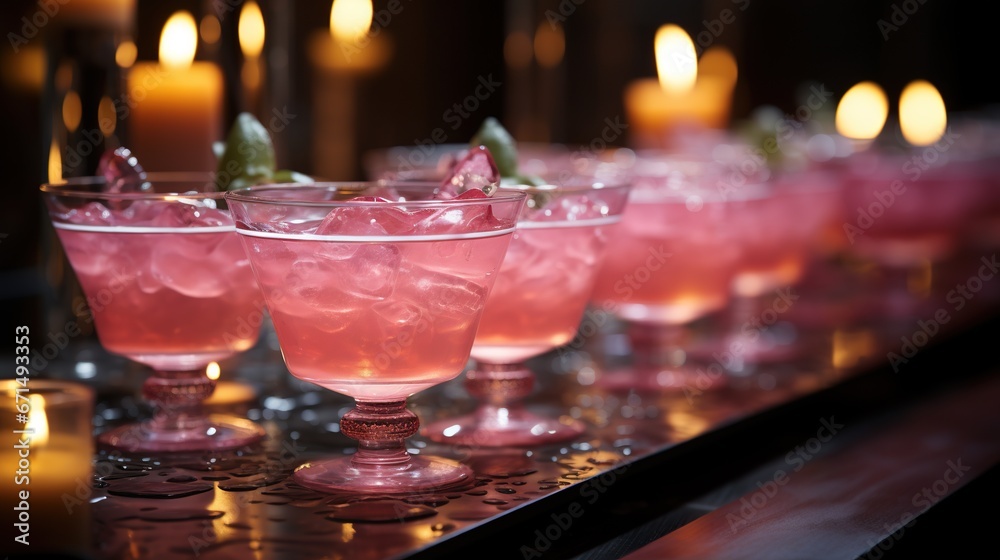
(441, 48)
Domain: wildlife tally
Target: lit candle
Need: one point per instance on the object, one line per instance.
(861, 114)
(922, 115)
(349, 50)
(176, 104)
(907, 200)
(252, 33)
(688, 94)
(45, 466)
(228, 394)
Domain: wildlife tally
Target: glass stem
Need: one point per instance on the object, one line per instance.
(500, 385)
(381, 428)
(177, 398)
(655, 346)
(746, 310)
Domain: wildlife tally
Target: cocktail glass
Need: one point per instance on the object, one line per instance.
(168, 286)
(376, 299)
(906, 213)
(673, 261)
(539, 298)
(778, 234)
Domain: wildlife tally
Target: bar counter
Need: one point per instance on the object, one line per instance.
(856, 445)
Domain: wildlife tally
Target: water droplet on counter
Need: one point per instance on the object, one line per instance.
(432, 501)
(385, 511)
(184, 514)
(182, 478)
(494, 501)
(156, 489)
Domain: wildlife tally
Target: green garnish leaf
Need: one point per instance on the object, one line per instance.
(249, 154)
(500, 144)
(289, 176)
(518, 179)
(247, 158)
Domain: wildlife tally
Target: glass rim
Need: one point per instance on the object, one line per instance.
(70, 186)
(586, 184)
(250, 195)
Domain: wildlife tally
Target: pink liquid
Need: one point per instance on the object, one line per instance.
(375, 320)
(921, 219)
(666, 263)
(777, 233)
(540, 295)
(173, 301)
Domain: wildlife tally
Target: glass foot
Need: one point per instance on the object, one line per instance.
(417, 474)
(211, 433)
(492, 426)
(672, 378)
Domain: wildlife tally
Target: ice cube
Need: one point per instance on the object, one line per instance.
(373, 219)
(306, 279)
(370, 273)
(141, 212)
(572, 208)
(90, 214)
(122, 172)
(451, 302)
(384, 192)
(476, 170)
(461, 218)
(186, 213)
(147, 280)
(394, 315)
(178, 268)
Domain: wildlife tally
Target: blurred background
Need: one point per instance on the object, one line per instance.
(78, 77)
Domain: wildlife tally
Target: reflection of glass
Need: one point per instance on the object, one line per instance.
(168, 286)
(539, 298)
(376, 300)
(672, 261)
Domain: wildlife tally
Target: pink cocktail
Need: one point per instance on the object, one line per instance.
(778, 234)
(168, 285)
(539, 298)
(906, 213)
(375, 298)
(673, 261)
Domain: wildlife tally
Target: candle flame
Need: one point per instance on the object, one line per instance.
(251, 30)
(37, 421)
(178, 41)
(676, 61)
(862, 111)
(922, 115)
(350, 20)
(55, 163)
(213, 371)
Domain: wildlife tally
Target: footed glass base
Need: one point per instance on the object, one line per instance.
(416, 474)
(493, 426)
(210, 433)
(681, 378)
